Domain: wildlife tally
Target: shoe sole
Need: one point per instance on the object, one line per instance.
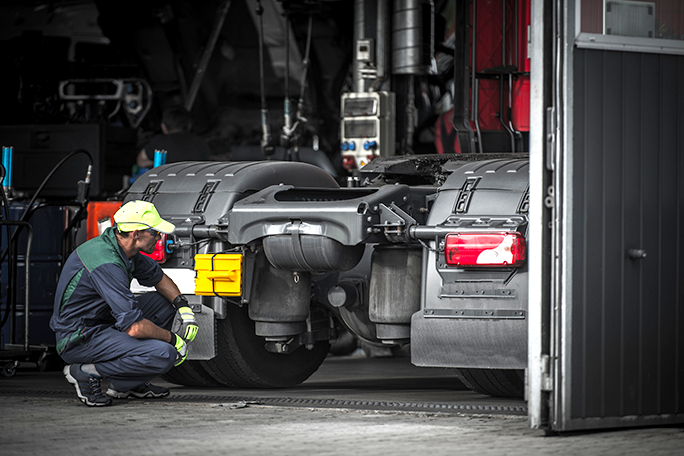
(70, 378)
(126, 395)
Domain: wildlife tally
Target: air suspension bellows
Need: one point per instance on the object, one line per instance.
(311, 253)
(394, 291)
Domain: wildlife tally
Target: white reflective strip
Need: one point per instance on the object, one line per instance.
(184, 278)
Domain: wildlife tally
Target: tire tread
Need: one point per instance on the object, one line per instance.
(494, 382)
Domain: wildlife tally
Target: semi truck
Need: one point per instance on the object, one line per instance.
(395, 245)
(279, 258)
(276, 259)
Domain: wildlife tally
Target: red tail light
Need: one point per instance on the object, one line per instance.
(159, 253)
(485, 249)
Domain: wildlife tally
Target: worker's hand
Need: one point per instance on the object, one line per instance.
(188, 329)
(181, 348)
(188, 325)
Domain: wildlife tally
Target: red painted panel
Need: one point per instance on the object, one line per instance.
(100, 216)
(490, 55)
(521, 104)
(524, 21)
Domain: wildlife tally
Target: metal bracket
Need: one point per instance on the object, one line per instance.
(393, 216)
(308, 339)
(508, 314)
(454, 291)
(248, 268)
(550, 138)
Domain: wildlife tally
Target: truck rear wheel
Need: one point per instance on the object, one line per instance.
(190, 373)
(242, 361)
(494, 382)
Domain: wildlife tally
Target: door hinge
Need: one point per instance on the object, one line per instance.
(546, 377)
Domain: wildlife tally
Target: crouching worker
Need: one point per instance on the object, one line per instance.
(103, 330)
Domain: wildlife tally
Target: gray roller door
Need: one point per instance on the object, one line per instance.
(609, 350)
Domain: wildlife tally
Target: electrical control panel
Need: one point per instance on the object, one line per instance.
(367, 127)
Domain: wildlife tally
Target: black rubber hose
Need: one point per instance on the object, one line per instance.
(28, 212)
(266, 141)
(10, 260)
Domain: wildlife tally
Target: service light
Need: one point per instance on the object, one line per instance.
(485, 249)
(159, 252)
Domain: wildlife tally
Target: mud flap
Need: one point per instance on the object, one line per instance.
(204, 345)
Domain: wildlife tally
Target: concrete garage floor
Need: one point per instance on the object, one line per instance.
(352, 405)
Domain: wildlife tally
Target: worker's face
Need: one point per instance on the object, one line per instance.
(148, 239)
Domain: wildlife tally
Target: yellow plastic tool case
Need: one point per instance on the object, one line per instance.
(218, 274)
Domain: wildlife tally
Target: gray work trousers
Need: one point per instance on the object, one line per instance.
(125, 361)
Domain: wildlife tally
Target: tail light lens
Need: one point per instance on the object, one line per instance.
(485, 249)
(159, 253)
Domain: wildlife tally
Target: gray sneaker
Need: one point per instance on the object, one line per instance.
(87, 386)
(146, 390)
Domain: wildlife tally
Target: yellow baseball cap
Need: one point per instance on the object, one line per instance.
(141, 215)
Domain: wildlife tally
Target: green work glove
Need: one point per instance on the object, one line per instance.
(189, 328)
(181, 348)
(188, 325)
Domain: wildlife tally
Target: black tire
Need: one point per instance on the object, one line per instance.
(494, 382)
(190, 373)
(9, 369)
(345, 344)
(242, 361)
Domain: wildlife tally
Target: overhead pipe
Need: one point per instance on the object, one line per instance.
(461, 114)
(206, 55)
(359, 34)
(382, 40)
(408, 55)
(474, 82)
(506, 72)
(267, 146)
